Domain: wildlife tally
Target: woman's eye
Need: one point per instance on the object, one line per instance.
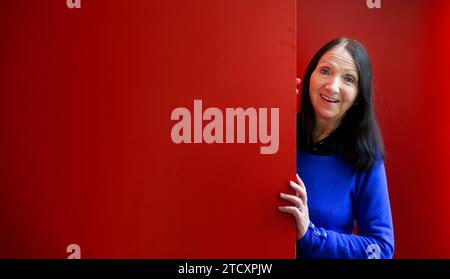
(324, 71)
(350, 79)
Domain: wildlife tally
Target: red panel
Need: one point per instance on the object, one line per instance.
(433, 198)
(408, 42)
(86, 97)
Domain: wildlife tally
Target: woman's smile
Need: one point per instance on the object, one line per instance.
(329, 99)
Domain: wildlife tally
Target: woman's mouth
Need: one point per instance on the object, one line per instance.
(328, 99)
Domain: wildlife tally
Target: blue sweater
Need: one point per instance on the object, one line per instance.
(337, 198)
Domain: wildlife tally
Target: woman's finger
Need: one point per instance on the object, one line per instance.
(297, 82)
(299, 180)
(294, 199)
(292, 210)
(300, 191)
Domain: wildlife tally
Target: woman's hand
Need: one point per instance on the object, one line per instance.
(297, 83)
(300, 208)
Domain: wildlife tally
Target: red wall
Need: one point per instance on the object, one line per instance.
(408, 41)
(86, 97)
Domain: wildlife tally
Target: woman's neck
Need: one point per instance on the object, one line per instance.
(323, 129)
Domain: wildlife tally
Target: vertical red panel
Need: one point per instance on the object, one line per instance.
(433, 193)
(86, 97)
(408, 43)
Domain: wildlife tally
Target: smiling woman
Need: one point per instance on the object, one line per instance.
(340, 160)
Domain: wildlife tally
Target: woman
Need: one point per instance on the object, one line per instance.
(340, 160)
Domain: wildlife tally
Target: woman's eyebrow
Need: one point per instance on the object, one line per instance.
(325, 62)
(351, 69)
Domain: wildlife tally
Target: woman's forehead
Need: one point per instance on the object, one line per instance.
(339, 57)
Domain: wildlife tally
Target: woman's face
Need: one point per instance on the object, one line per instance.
(333, 85)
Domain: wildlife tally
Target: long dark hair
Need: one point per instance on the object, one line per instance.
(360, 138)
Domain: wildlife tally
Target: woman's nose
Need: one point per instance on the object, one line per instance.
(333, 85)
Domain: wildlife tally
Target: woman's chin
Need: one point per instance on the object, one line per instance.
(327, 115)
